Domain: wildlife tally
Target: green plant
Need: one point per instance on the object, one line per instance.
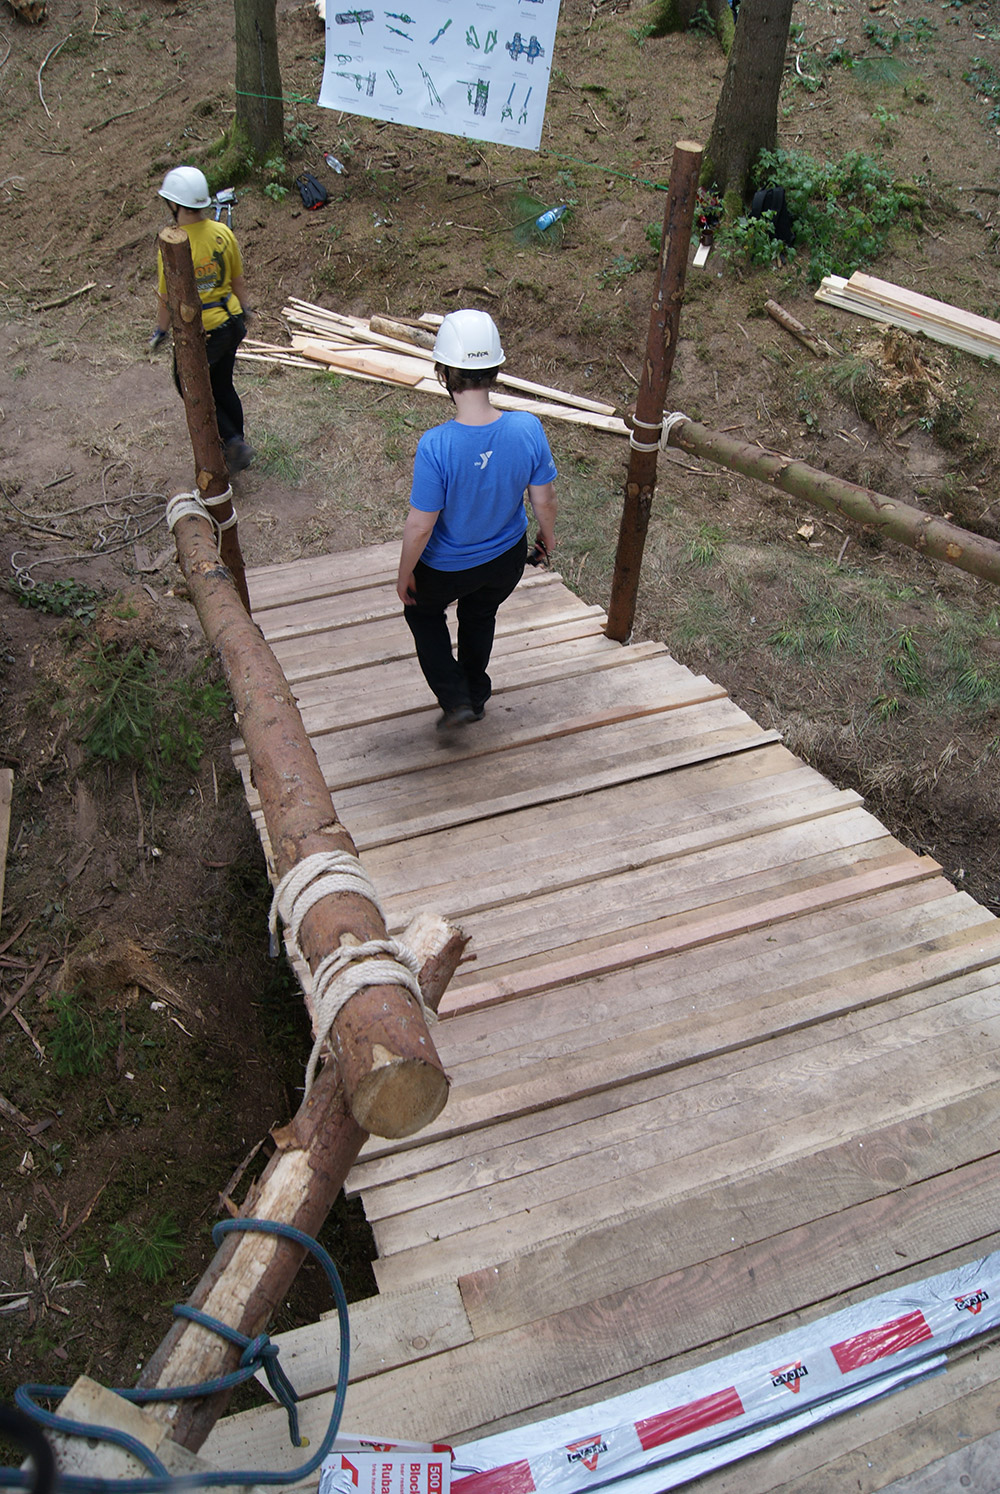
(704, 548)
(753, 240)
(983, 77)
(79, 1041)
(137, 715)
(884, 707)
(843, 211)
(61, 598)
(701, 22)
(278, 457)
(905, 664)
(149, 1250)
(621, 266)
(297, 135)
(276, 191)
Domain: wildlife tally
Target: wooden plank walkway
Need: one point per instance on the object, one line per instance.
(726, 1058)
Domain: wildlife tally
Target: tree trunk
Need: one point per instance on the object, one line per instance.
(259, 123)
(746, 117)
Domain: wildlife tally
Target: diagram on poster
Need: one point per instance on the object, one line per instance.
(480, 69)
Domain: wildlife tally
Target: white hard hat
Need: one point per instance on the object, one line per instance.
(468, 339)
(186, 186)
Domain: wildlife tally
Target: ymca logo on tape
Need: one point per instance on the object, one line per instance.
(586, 1452)
(790, 1376)
(971, 1301)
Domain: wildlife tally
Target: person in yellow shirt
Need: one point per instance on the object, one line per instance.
(218, 273)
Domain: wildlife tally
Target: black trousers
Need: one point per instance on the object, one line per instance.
(478, 593)
(220, 345)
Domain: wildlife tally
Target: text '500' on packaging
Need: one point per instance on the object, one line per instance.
(359, 1465)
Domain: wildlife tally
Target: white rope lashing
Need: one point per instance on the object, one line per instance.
(192, 505)
(643, 445)
(352, 967)
(669, 421)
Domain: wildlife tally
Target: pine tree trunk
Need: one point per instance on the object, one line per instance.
(746, 118)
(259, 124)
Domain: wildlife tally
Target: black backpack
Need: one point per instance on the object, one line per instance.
(772, 200)
(314, 194)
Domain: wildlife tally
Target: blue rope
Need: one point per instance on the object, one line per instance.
(257, 1353)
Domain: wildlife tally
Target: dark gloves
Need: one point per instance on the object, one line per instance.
(540, 554)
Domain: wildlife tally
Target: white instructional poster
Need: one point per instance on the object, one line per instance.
(479, 68)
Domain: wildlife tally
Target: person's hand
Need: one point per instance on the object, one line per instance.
(157, 340)
(540, 554)
(406, 590)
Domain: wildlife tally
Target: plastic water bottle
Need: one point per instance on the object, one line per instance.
(546, 220)
(334, 164)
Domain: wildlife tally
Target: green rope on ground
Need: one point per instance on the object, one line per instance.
(628, 176)
(278, 98)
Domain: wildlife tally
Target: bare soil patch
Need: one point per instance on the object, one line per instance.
(880, 667)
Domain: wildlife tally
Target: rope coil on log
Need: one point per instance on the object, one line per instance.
(192, 505)
(340, 975)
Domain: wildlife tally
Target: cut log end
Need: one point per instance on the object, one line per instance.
(399, 1098)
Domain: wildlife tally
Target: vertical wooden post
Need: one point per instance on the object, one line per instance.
(661, 345)
(199, 404)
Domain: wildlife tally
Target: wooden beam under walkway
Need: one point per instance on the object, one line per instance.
(726, 1057)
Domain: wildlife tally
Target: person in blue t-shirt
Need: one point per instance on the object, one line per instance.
(464, 536)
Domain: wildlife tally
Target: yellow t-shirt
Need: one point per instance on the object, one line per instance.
(217, 259)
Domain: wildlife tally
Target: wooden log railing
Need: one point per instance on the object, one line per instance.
(661, 345)
(384, 1075)
(937, 538)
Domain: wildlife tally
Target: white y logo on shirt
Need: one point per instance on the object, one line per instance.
(484, 457)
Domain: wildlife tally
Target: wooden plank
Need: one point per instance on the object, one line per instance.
(359, 763)
(890, 987)
(697, 1147)
(584, 700)
(397, 368)
(924, 307)
(744, 1207)
(480, 1231)
(751, 1284)
(398, 688)
(319, 575)
(687, 1121)
(679, 1043)
(967, 1468)
(343, 610)
(484, 871)
(711, 928)
(6, 794)
(590, 910)
(578, 758)
(862, 908)
(640, 1244)
(393, 368)
(835, 291)
(386, 1331)
(384, 641)
(525, 1372)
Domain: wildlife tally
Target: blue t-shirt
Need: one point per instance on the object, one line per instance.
(473, 477)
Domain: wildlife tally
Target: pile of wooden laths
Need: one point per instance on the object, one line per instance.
(884, 302)
(393, 352)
